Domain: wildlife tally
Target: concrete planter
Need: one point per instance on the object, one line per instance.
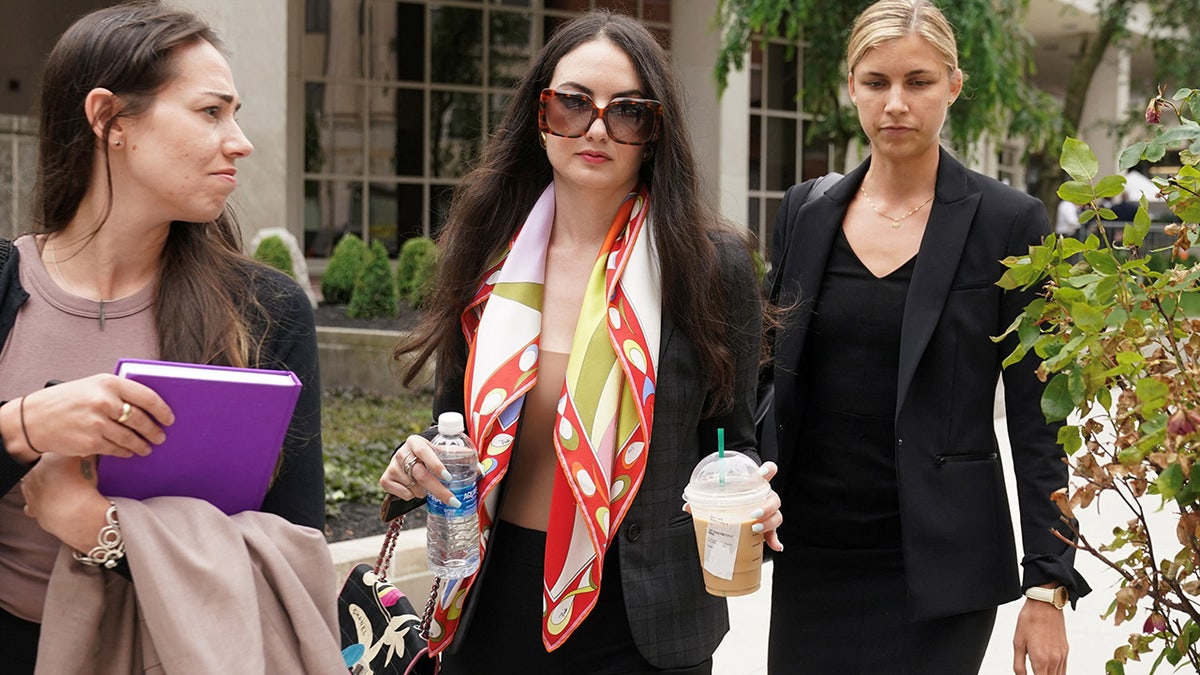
(362, 358)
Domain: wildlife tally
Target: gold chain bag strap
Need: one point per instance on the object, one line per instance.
(381, 632)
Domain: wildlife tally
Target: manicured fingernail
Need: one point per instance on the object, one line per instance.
(762, 470)
(446, 476)
(454, 502)
(757, 527)
(479, 466)
(756, 513)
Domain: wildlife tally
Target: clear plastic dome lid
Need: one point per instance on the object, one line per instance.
(729, 480)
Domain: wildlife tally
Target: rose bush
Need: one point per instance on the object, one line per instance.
(1118, 331)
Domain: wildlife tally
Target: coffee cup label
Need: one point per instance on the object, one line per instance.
(720, 547)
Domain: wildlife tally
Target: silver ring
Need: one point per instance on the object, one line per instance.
(408, 464)
(126, 411)
(409, 485)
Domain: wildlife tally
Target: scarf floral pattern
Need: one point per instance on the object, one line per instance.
(605, 412)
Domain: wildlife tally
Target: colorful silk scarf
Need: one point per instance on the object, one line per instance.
(605, 413)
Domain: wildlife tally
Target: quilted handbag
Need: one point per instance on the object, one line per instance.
(381, 631)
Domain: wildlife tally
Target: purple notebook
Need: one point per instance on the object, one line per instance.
(229, 428)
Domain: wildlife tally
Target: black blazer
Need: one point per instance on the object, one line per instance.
(958, 544)
(675, 622)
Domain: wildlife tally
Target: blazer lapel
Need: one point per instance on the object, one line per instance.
(807, 253)
(950, 220)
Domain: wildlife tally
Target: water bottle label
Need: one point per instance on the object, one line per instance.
(468, 495)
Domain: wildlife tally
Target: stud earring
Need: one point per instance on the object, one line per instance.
(949, 102)
(118, 143)
(648, 153)
(542, 139)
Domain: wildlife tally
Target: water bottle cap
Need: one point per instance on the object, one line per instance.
(450, 424)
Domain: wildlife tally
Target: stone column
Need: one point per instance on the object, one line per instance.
(719, 126)
(255, 36)
(1107, 103)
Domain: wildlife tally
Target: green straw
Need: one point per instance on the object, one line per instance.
(721, 455)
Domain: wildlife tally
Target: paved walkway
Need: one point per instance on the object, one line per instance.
(744, 650)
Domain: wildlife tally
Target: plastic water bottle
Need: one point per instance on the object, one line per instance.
(452, 533)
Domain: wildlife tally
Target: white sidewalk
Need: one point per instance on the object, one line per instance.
(744, 650)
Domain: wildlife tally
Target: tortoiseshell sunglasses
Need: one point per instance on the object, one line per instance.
(631, 121)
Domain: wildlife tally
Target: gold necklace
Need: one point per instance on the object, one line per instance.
(895, 221)
(62, 280)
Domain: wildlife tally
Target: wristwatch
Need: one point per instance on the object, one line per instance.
(1055, 596)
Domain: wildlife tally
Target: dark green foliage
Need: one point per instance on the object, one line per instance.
(374, 294)
(344, 267)
(272, 251)
(359, 433)
(415, 269)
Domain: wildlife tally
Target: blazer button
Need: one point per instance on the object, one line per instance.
(633, 532)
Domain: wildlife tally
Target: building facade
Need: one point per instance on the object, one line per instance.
(366, 113)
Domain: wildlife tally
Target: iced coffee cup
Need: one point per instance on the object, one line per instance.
(723, 492)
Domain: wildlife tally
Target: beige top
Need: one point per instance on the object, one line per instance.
(56, 336)
(530, 479)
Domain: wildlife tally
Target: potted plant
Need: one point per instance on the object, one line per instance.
(1118, 332)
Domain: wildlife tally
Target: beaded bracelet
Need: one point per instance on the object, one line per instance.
(110, 547)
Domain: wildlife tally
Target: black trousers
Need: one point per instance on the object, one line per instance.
(505, 631)
(854, 621)
(18, 644)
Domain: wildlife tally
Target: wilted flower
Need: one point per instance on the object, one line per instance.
(1154, 623)
(1154, 111)
(1179, 424)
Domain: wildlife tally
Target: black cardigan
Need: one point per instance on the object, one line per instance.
(298, 492)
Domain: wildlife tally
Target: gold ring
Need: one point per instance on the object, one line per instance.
(408, 465)
(126, 411)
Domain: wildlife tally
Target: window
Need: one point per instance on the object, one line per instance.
(779, 153)
(400, 97)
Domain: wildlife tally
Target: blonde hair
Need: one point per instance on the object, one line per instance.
(888, 20)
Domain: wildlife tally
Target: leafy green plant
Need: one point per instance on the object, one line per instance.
(345, 264)
(360, 431)
(272, 251)
(415, 270)
(1119, 335)
(374, 294)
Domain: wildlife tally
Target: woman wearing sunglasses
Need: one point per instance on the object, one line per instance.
(597, 324)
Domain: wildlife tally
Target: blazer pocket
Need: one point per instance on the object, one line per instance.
(966, 457)
(682, 520)
(974, 285)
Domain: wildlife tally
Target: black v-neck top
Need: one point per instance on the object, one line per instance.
(844, 479)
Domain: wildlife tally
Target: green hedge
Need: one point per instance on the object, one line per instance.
(272, 251)
(344, 267)
(374, 294)
(415, 270)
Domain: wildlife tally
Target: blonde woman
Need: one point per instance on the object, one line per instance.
(884, 381)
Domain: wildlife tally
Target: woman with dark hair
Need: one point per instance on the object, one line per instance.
(885, 379)
(134, 254)
(597, 324)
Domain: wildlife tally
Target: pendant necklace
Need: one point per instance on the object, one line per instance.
(895, 221)
(63, 280)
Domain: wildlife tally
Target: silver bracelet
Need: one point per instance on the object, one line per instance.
(110, 547)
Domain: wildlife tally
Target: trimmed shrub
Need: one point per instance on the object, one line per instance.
(415, 269)
(272, 251)
(344, 267)
(374, 295)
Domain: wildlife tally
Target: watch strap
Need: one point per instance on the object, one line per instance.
(1055, 596)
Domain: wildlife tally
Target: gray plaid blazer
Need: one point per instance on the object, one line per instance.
(675, 622)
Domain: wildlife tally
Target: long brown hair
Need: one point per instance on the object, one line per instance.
(129, 49)
(490, 204)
